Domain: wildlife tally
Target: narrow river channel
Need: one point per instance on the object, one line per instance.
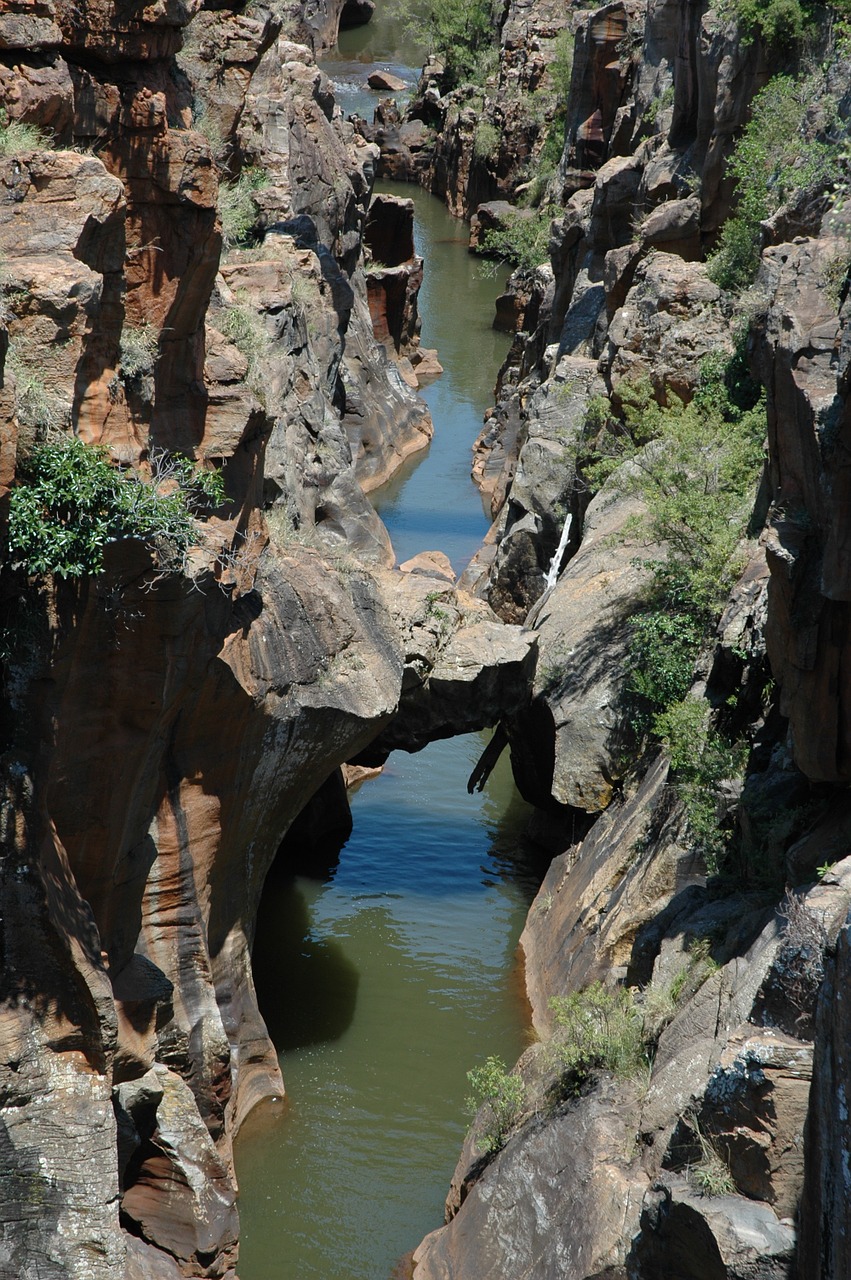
(394, 971)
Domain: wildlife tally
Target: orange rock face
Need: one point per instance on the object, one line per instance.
(162, 731)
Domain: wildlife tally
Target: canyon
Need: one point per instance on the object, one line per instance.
(193, 266)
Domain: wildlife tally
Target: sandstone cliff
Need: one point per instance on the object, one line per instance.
(183, 274)
(182, 277)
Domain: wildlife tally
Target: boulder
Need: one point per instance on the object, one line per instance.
(571, 743)
(545, 490)
(670, 320)
(385, 81)
(696, 1237)
(560, 1200)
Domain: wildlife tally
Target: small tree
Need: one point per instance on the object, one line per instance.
(462, 33)
(502, 1094)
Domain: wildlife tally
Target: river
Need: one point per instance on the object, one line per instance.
(386, 979)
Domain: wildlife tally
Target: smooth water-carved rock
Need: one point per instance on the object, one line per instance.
(570, 744)
(561, 1199)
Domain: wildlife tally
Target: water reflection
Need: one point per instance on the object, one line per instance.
(414, 928)
(306, 985)
(432, 503)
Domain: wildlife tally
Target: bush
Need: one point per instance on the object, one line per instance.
(16, 136)
(486, 141)
(778, 154)
(599, 1028)
(702, 759)
(238, 208)
(138, 352)
(561, 67)
(502, 1094)
(72, 502)
(246, 330)
(711, 1174)
(36, 408)
(663, 652)
(780, 22)
(462, 33)
(523, 241)
(695, 467)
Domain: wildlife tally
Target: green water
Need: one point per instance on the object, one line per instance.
(385, 981)
(432, 504)
(381, 43)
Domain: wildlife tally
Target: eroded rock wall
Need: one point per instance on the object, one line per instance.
(657, 100)
(161, 730)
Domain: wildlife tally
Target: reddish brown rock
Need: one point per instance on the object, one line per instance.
(385, 81)
(806, 544)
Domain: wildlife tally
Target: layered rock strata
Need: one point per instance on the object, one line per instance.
(162, 728)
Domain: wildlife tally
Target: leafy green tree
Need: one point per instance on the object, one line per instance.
(462, 33)
(502, 1094)
(523, 240)
(780, 152)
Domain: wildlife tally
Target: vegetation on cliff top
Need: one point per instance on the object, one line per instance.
(781, 23)
(461, 33)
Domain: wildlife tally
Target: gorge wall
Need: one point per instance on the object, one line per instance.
(717, 1158)
(181, 237)
(183, 274)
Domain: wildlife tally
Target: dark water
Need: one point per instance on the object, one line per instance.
(384, 982)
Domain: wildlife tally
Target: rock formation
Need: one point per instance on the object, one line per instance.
(728, 1163)
(185, 287)
(165, 720)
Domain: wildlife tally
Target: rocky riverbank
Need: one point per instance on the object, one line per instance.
(693, 897)
(201, 621)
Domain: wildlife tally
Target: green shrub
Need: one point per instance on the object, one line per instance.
(486, 141)
(599, 1028)
(777, 155)
(701, 759)
(663, 652)
(138, 352)
(36, 408)
(246, 330)
(780, 22)
(711, 1174)
(462, 33)
(561, 68)
(72, 501)
(238, 208)
(695, 468)
(523, 241)
(502, 1094)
